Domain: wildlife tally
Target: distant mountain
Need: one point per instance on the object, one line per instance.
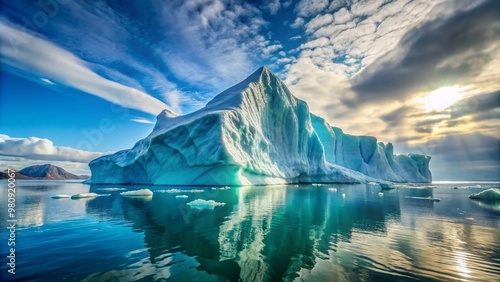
(44, 172)
(4, 175)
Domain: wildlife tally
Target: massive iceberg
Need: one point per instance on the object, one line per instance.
(255, 133)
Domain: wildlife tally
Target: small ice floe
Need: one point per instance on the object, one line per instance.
(181, 196)
(386, 186)
(317, 184)
(204, 204)
(424, 198)
(343, 195)
(492, 194)
(332, 189)
(61, 196)
(221, 188)
(372, 183)
(380, 194)
(137, 193)
(174, 191)
(84, 195)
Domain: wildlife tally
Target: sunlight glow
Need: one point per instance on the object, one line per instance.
(442, 98)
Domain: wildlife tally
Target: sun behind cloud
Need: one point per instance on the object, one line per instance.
(442, 98)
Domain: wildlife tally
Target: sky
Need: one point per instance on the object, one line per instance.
(80, 79)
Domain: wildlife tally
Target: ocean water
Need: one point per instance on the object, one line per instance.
(274, 233)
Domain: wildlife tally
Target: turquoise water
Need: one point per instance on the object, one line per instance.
(274, 233)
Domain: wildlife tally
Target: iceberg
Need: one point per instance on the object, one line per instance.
(137, 193)
(61, 196)
(204, 204)
(255, 133)
(492, 194)
(84, 195)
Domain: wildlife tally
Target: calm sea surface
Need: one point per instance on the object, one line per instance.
(274, 233)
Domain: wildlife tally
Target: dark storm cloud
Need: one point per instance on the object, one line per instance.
(395, 117)
(477, 104)
(468, 147)
(472, 156)
(440, 52)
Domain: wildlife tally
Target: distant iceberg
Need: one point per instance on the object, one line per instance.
(204, 204)
(255, 133)
(84, 195)
(492, 194)
(61, 196)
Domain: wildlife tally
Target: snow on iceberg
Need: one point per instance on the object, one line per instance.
(137, 193)
(204, 204)
(492, 194)
(255, 132)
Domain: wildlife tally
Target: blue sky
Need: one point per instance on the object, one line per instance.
(84, 78)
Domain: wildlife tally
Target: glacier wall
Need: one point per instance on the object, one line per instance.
(255, 132)
(372, 158)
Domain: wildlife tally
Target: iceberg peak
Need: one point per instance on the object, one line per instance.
(254, 133)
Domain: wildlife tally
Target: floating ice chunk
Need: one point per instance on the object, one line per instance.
(332, 189)
(173, 191)
(204, 204)
(424, 198)
(380, 194)
(386, 186)
(61, 196)
(492, 194)
(221, 188)
(181, 196)
(137, 193)
(343, 195)
(84, 195)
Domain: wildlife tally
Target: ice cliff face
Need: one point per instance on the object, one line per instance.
(256, 132)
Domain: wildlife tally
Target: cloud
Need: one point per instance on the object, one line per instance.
(319, 21)
(396, 117)
(37, 57)
(35, 148)
(306, 8)
(298, 22)
(477, 104)
(342, 16)
(441, 52)
(472, 156)
(142, 120)
(366, 7)
(273, 6)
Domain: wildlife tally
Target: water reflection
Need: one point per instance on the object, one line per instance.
(277, 233)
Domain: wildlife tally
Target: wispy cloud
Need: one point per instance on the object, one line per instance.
(142, 120)
(37, 57)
